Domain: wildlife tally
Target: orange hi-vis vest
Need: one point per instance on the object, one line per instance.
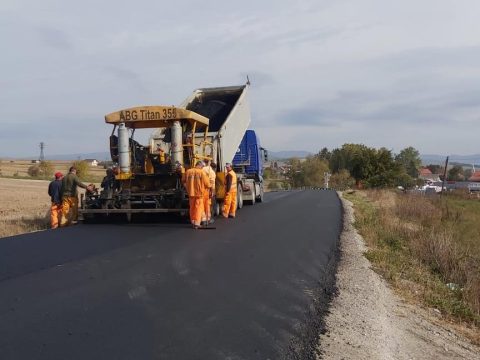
(196, 182)
(233, 185)
(211, 175)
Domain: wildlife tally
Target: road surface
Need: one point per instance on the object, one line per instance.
(254, 288)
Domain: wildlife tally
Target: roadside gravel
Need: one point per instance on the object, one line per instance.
(368, 321)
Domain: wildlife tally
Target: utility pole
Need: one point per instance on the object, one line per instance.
(326, 177)
(42, 155)
(444, 174)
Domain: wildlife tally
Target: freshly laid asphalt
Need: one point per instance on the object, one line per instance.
(256, 287)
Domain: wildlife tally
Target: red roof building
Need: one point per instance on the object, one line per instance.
(475, 176)
(424, 172)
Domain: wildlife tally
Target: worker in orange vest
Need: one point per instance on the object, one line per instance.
(196, 184)
(54, 190)
(209, 169)
(230, 201)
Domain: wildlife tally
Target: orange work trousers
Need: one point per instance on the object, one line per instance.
(207, 207)
(55, 214)
(69, 210)
(230, 204)
(196, 209)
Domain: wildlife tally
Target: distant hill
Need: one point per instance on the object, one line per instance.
(280, 155)
(100, 156)
(440, 159)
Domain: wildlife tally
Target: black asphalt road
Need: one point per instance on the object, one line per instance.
(254, 288)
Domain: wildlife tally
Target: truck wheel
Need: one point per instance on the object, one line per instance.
(239, 196)
(254, 195)
(260, 196)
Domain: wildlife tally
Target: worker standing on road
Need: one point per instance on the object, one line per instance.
(180, 171)
(230, 201)
(196, 183)
(54, 190)
(70, 197)
(208, 197)
(108, 182)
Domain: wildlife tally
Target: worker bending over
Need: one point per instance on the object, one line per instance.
(209, 169)
(70, 197)
(196, 184)
(230, 201)
(54, 190)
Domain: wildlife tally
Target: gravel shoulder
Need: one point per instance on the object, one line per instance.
(368, 321)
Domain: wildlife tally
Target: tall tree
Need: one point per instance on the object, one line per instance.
(358, 159)
(324, 154)
(456, 173)
(409, 158)
(307, 173)
(435, 169)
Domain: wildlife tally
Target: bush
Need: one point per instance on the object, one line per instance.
(43, 170)
(342, 180)
(33, 171)
(274, 185)
(83, 170)
(46, 169)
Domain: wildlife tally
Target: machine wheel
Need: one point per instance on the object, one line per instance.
(127, 205)
(239, 196)
(215, 211)
(260, 197)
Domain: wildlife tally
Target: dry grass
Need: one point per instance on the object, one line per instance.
(420, 244)
(24, 206)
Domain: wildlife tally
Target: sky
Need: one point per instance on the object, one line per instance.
(323, 72)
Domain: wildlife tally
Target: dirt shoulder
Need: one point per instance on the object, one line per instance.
(368, 321)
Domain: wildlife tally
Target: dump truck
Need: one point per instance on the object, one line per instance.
(211, 124)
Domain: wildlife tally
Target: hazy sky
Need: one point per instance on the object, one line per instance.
(323, 72)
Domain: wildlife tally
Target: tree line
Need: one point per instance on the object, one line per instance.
(356, 165)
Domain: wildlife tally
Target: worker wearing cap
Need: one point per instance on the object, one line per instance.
(54, 190)
(209, 169)
(196, 183)
(230, 201)
(180, 171)
(70, 196)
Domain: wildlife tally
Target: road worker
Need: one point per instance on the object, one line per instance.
(209, 169)
(54, 190)
(230, 201)
(180, 171)
(70, 196)
(108, 182)
(196, 183)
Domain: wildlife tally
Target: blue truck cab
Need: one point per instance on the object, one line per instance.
(248, 164)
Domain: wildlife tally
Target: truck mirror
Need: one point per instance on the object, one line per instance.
(265, 154)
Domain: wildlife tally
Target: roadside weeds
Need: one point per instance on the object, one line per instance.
(368, 321)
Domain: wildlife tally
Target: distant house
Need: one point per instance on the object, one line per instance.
(427, 175)
(91, 162)
(475, 177)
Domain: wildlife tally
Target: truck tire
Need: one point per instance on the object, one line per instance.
(260, 197)
(254, 195)
(239, 196)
